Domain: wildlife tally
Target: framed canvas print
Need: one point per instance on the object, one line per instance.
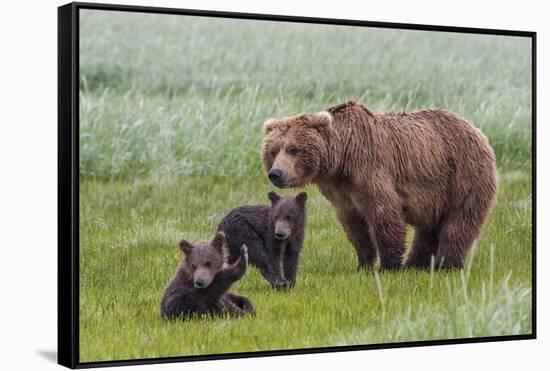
(241, 185)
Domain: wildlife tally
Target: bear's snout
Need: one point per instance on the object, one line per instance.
(282, 231)
(281, 236)
(276, 177)
(199, 283)
(202, 280)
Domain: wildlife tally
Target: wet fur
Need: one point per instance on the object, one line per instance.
(430, 169)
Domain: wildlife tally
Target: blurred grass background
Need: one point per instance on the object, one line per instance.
(171, 110)
(177, 89)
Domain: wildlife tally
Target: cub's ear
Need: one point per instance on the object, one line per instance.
(186, 247)
(269, 125)
(301, 198)
(219, 241)
(274, 197)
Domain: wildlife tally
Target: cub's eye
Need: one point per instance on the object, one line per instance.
(274, 153)
(207, 264)
(287, 217)
(194, 266)
(292, 151)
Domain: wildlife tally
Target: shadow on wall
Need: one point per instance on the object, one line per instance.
(50, 355)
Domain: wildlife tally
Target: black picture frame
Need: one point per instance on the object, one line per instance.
(68, 180)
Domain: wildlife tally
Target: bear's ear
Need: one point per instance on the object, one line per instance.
(269, 125)
(219, 241)
(274, 197)
(321, 120)
(186, 247)
(301, 199)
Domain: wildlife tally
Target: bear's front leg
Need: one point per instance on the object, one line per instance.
(388, 228)
(390, 237)
(290, 263)
(423, 249)
(269, 264)
(357, 232)
(237, 270)
(225, 278)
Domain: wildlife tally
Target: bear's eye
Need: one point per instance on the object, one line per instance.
(194, 266)
(274, 153)
(287, 217)
(292, 151)
(207, 264)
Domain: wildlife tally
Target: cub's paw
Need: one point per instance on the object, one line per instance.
(244, 253)
(280, 284)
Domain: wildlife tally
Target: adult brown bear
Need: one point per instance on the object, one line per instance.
(430, 169)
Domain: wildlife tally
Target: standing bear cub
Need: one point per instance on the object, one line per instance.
(381, 171)
(273, 233)
(202, 281)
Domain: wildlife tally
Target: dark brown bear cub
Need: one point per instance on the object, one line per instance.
(202, 282)
(273, 233)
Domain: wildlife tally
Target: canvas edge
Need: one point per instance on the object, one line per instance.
(67, 206)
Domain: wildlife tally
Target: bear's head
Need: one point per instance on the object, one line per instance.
(205, 259)
(295, 148)
(288, 214)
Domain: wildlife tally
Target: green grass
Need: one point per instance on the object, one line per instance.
(171, 115)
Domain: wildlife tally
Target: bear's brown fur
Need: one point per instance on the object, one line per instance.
(430, 169)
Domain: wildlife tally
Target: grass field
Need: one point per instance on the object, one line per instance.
(171, 110)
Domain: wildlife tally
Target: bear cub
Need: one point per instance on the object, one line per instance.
(202, 282)
(273, 233)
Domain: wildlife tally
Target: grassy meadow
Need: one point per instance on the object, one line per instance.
(171, 113)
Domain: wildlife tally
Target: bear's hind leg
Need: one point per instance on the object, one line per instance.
(459, 231)
(230, 307)
(423, 248)
(237, 305)
(242, 302)
(358, 234)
